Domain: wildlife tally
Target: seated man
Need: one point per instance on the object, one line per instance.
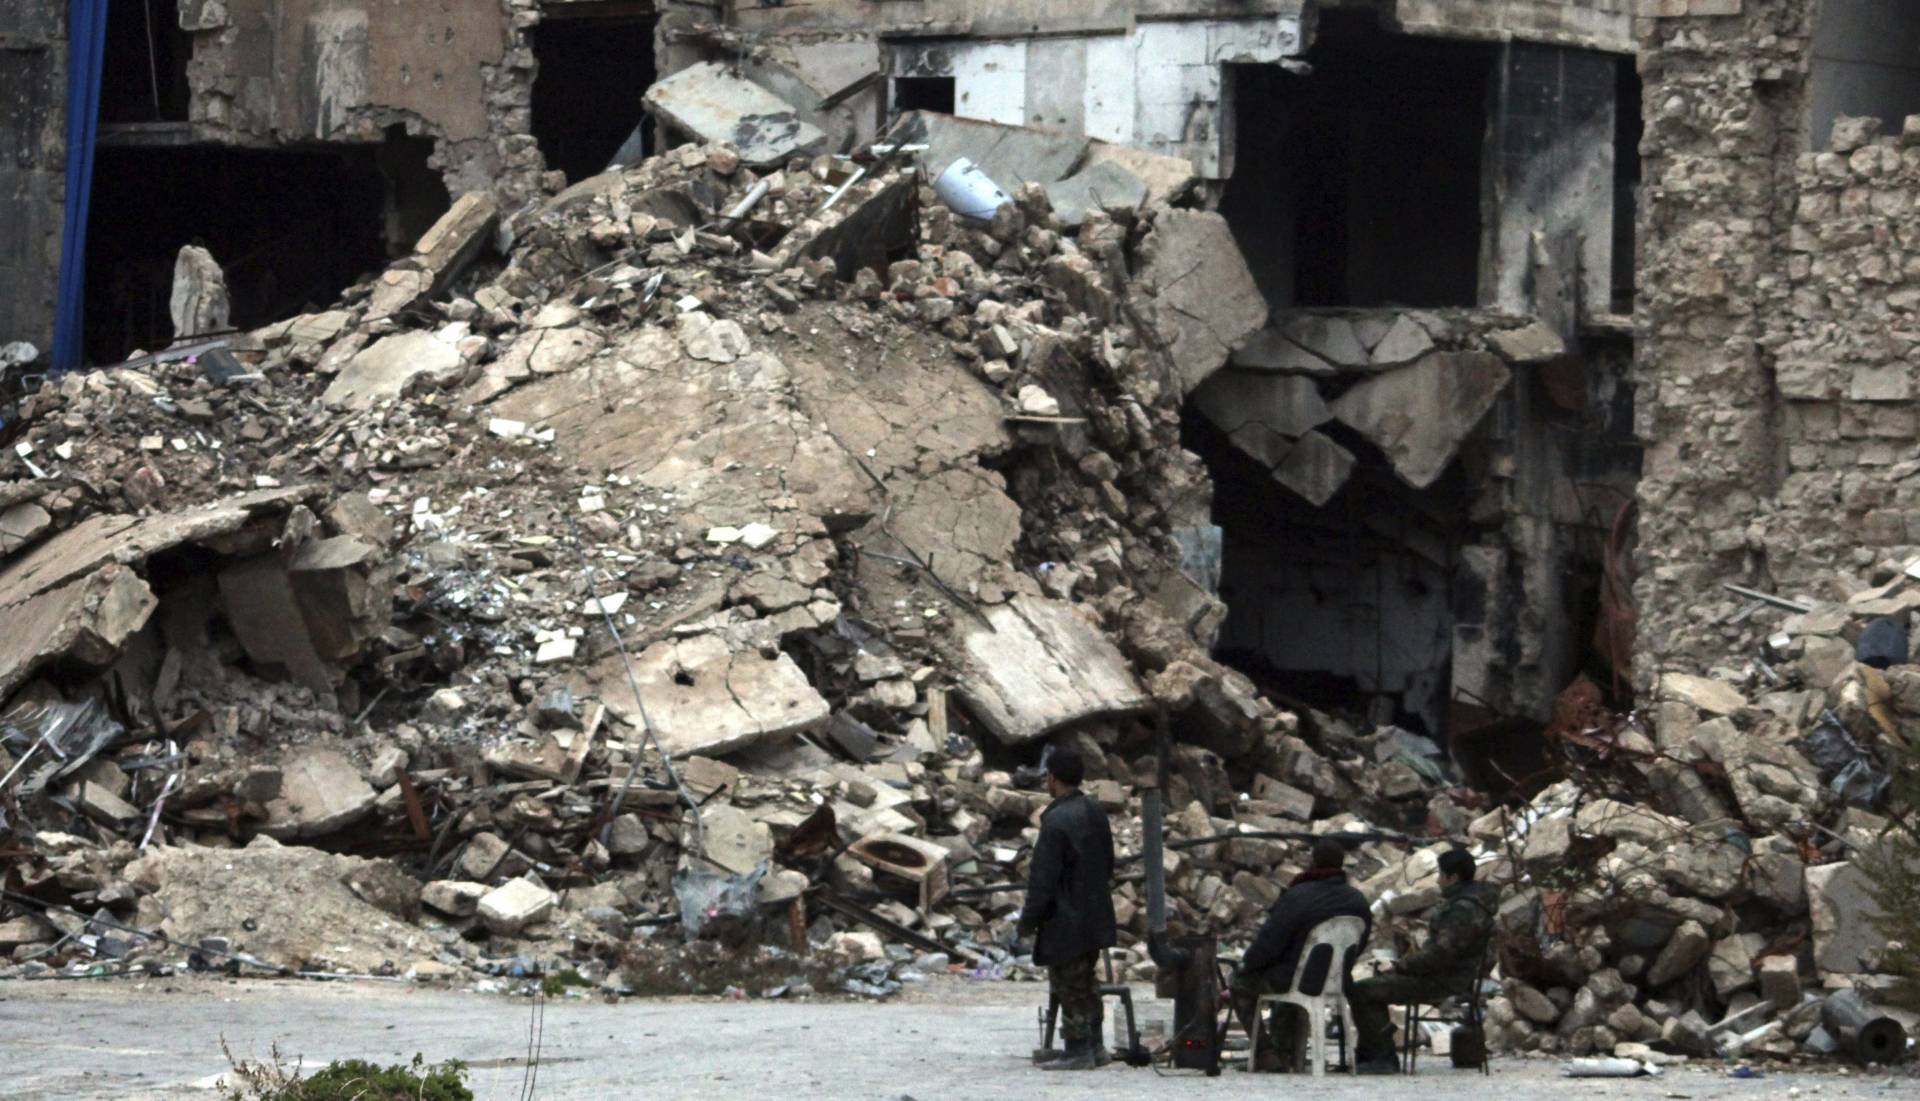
(1315, 895)
(1446, 966)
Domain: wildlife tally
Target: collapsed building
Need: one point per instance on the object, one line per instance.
(1395, 438)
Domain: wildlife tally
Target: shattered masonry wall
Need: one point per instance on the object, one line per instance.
(33, 74)
(1778, 302)
(1073, 79)
(342, 70)
(1595, 24)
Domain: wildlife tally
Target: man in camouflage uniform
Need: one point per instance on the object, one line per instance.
(1446, 966)
(1069, 908)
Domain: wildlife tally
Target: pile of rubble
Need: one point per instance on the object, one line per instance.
(1701, 881)
(778, 472)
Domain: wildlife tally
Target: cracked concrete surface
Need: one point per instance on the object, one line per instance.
(160, 1041)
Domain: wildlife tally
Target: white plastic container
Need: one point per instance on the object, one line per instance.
(968, 191)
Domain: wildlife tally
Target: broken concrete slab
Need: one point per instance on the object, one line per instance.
(712, 104)
(1009, 155)
(452, 243)
(20, 525)
(1702, 693)
(383, 369)
(733, 840)
(1106, 185)
(454, 898)
(1846, 936)
(1532, 343)
(85, 621)
(1166, 178)
(320, 792)
(1420, 415)
(1330, 337)
(397, 288)
(1269, 350)
(343, 588)
(257, 595)
(706, 696)
(109, 537)
(1316, 468)
(1405, 341)
(1288, 404)
(1040, 665)
(515, 904)
(1204, 295)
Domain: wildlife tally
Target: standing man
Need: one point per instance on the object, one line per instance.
(1069, 909)
(1446, 966)
(1321, 893)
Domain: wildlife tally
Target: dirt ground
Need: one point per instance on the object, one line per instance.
(947, 1040)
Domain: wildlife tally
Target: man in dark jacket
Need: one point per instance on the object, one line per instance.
(1069, 908)
(1318, 894)
(1446, 966)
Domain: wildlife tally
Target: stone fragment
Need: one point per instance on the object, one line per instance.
(515, 904)
(320, 792)
(731, 839)
(1702, 693)
(1405, 341)
(1331, 338)
(1779, 981)
(1688, 946)
(86, 621)
(705, 696)
(1421, 414)
(716, 341)
(1041, 665)
(99, 803)
(1287, 404)
(1846, 938)
(382, 885)
(714, 104)
(199, 302)
(1532, 1004)
(1730, 964)
(1532, 343)
(20, 525)
(454, 897)
(459, 235)
(1316, 468)
(383, 369)
(1204, 294)
(1268, 350)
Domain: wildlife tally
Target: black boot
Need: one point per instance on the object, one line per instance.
(1080, 1055)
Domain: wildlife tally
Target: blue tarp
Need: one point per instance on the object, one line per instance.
(86, 47)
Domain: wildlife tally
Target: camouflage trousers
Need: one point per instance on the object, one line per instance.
(1075, 985)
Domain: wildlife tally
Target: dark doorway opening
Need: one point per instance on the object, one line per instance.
(144, 78)
(1360, 184)
(1348, 606)
(594, 65)
(923, 93)
(290, 228)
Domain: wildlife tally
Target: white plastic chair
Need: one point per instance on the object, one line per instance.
(1340, 936)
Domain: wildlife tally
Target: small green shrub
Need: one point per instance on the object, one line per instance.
(346, 1080)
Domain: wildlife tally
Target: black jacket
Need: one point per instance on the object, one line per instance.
(1070, 882)
(1294, 914)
